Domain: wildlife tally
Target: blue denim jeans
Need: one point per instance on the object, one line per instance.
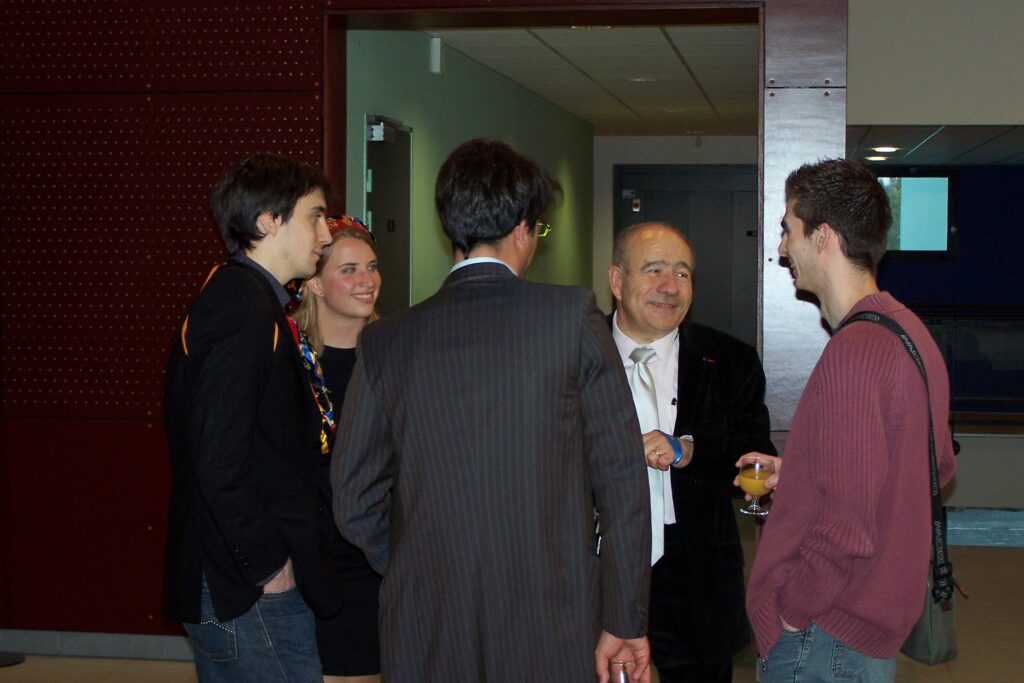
(814, 656)
(274, 642)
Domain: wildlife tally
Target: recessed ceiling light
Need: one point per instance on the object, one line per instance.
(642, 79)
(876, 158)
(885, 150)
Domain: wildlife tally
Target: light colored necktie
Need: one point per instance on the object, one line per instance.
(641, 382)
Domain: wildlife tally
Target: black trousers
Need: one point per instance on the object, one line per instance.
(697, 621)
(700, 672)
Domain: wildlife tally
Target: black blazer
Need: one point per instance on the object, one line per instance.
(479, 431)
(721, 404)
(721, 389)
(243, 433)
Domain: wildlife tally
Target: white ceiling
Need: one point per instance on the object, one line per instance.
(659, 80)
(690, 80)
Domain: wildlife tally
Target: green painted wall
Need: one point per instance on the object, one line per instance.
(388, 75)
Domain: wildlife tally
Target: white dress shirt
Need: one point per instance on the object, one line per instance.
(664, 369)
(478, 259)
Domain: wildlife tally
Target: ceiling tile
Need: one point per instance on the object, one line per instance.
(1005, 148)
(594, 73)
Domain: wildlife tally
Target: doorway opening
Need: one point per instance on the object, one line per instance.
(660, 71)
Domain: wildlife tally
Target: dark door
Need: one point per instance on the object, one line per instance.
(716, 208)
(388, 169)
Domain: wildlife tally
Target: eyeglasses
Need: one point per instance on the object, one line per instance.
(543, 229)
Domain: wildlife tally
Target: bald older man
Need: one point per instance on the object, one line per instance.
(708, 390)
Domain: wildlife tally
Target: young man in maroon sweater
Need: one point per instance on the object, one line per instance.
(840, 572)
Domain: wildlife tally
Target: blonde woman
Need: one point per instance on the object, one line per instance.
(336, 304)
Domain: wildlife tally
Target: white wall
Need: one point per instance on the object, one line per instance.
(609, 151)
(922, 62)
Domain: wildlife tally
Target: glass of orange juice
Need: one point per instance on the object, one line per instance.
(752, 478)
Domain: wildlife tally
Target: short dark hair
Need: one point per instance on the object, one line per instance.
(485, 189)
(263, 182)
(621, 241)
(845, 194)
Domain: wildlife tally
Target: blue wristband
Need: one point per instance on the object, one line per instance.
(677, 447)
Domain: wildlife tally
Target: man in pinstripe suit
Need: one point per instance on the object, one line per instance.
(481, 430)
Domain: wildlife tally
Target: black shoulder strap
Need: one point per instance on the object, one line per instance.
(942, 570)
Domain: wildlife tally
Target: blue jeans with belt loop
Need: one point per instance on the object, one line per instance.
(274, 642)
(814, 656)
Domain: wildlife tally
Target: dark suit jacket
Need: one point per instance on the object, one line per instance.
(480, 430)
(697, 591)
(243, 433)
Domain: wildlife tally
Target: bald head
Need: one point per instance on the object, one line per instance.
(624, 236)
(651, 280)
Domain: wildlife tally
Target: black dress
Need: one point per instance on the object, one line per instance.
(349, 643)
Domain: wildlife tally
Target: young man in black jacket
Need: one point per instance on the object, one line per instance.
(247, 552)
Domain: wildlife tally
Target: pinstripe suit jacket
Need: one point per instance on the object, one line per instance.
(480, 430)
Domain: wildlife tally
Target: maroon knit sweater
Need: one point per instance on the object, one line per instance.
(847, 542)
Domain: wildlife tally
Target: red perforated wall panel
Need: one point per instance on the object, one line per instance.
(87, 506)
(160, 45)
(116, 119)
(107, 234)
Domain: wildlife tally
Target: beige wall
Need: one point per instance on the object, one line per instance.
(948, 62)
(952, 62)
(988, 472)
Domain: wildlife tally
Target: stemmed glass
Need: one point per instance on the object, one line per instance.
(752, 478)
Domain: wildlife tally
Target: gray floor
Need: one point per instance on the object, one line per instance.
(989, 623)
